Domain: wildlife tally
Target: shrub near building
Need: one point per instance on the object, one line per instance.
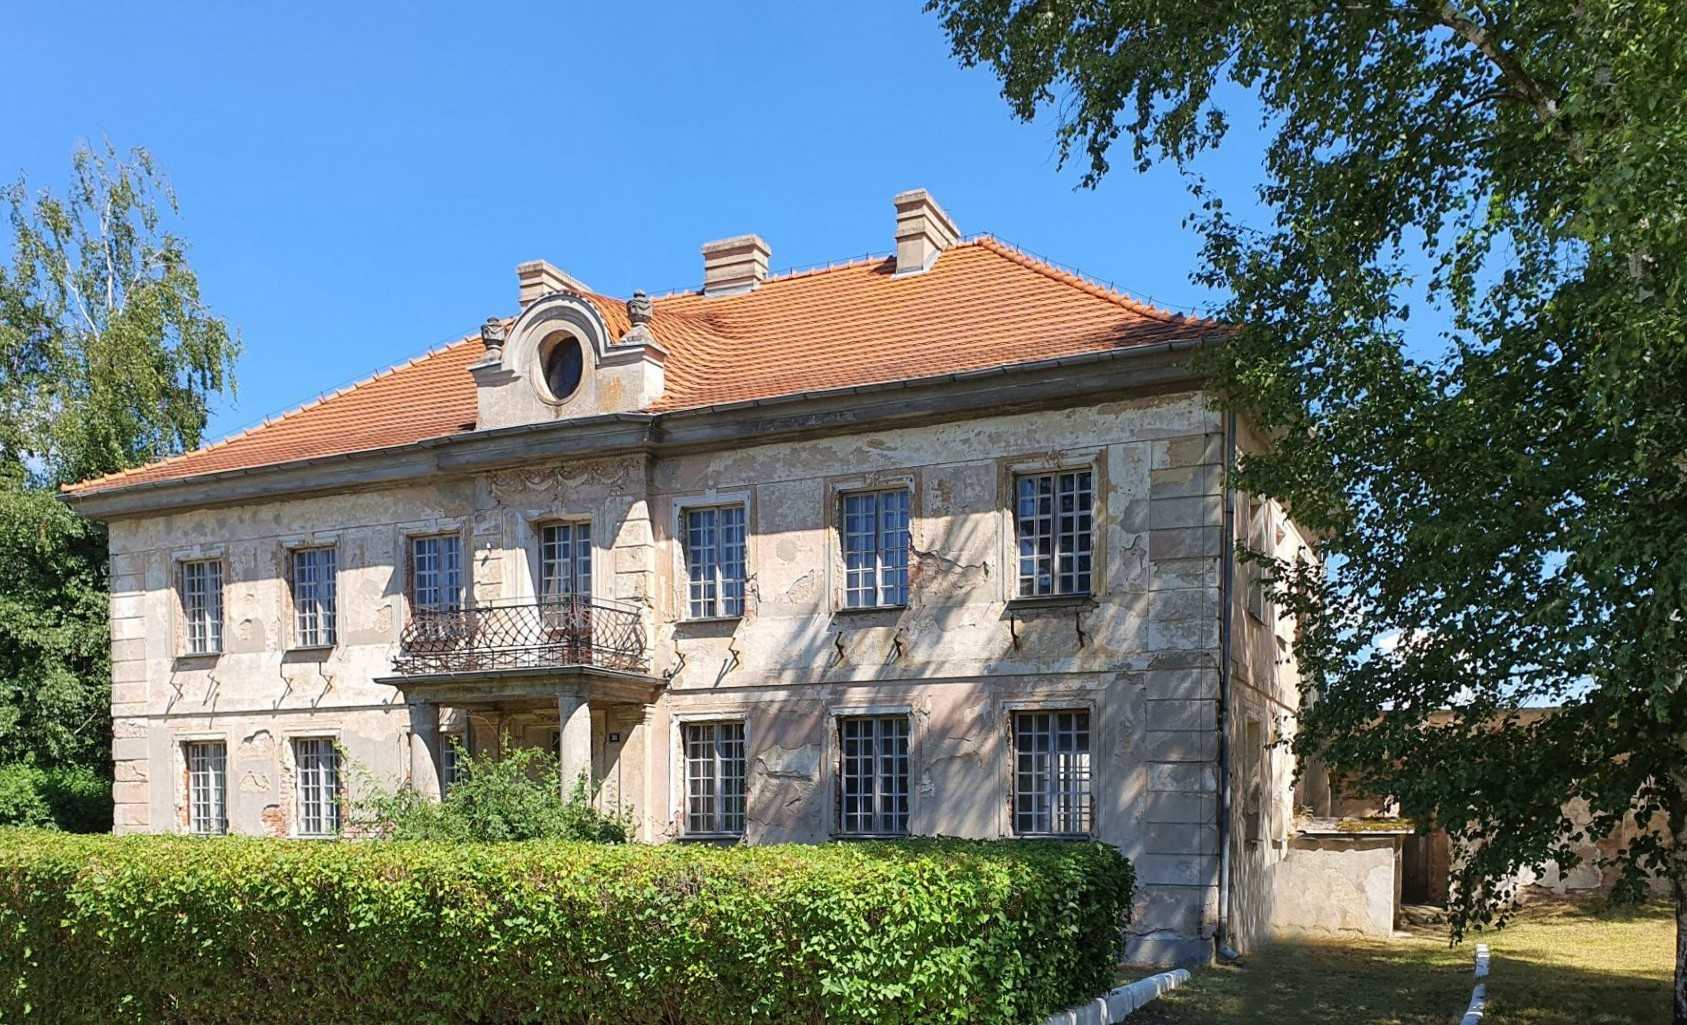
(160, 929)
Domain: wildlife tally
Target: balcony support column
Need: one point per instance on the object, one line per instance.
(574, 720)
(425, 752)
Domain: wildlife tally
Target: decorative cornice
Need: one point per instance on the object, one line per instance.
(1054, 383)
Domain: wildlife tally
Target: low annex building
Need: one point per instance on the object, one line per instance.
(938, 543)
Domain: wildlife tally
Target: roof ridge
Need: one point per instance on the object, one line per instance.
(270, 419)
(789, 274)
(1048, 268)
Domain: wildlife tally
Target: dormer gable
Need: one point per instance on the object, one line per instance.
(559, 360)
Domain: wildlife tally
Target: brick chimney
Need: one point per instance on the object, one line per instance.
(539, 278)
(923, 231)
(734, 265)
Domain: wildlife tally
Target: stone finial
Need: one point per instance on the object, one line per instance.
(492, 335)
(638, 308)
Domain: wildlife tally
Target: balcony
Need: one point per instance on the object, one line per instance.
(541, 637)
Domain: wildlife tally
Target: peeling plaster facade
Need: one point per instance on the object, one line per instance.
(1142, 654)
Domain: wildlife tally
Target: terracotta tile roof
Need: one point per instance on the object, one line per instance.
(984, 304)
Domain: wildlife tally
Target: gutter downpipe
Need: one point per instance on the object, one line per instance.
(1222, 944)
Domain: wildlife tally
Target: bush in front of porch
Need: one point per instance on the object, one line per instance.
(495, 798)
(177, 929)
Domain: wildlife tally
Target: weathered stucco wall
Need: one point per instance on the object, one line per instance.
(1331, 886)
(1142, 655)
(1264, 698)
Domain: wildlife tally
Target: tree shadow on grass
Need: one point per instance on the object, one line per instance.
(1576, 967)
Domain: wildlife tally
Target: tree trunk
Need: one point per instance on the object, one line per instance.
(1678, 843)
(1680, 933)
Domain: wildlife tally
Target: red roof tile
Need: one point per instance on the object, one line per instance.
(983, 304)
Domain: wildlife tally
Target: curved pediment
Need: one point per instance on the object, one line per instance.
(559, 361)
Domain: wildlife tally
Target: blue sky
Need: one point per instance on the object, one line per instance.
(357, 183)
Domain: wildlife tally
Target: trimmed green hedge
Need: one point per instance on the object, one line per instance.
(176, 929)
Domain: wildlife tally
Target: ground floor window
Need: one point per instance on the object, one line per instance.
(873, 774)
(714, 777)
(207, 789)
(317, 762)
(453, 752)
(1051, 777)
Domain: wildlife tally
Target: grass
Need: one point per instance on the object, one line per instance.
(1557, 964)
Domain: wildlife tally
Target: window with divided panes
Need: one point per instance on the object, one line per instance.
(202, 606)
(714, 561)
(314, 597)
(1051, 777)
(875, 548)
(565, 560)
(207, 787)
(316, 764)
(436, 572)
(1261, 539)
(873, 774)
(714, 777)
(1053, 523)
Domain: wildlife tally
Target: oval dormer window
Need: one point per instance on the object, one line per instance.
(562, 362)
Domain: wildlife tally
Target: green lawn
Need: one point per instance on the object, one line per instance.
(1554, 965)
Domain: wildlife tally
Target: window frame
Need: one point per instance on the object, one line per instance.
(683, 730)
(194, 776)
(845, 589)
(1090, 811)
(216, 620)
(542, 528)
(1009, 471)
(1261, 537)
(1072, 546)
(297, 634)
(465, 575)
(719, 609)
(840, 762)
(332, 812)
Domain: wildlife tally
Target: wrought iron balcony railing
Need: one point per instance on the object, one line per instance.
(543, 633)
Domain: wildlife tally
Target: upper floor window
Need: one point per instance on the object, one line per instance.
(565, 560)
(1051, 773)
(1052, 523)
(714, 561)
(202, 606)
(313, 597)
(317, 770)
(207, 787)
(436, 572)
(875, 548)
(714, 777)
(873, 774)
(1261, 539)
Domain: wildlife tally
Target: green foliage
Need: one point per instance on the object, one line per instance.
(1464, 315)
(107, 360)
(495, 799)
(55, 694)
(72, 798)
(177, 929)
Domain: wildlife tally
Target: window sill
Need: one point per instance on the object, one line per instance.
(710, 837)
(318, 837)
(709, 619)
(871, 836)
(1053, 601)
(857, 610)
(1068, 837)
(195, 657)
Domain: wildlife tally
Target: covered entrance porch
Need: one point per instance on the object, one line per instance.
(568, 673)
